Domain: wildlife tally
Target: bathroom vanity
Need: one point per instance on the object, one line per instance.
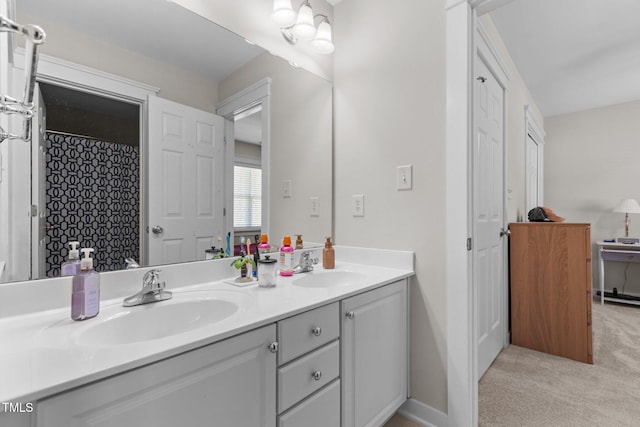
(325, 348)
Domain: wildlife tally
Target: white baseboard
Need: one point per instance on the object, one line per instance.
(423, 414)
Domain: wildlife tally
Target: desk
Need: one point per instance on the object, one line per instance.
(621, 252)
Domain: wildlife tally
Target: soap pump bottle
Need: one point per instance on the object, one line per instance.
(85, 296)
(286, 257)
(71, 267)
(328, 255)
(299, 243)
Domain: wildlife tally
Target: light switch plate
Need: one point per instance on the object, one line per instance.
(404, 179)
(286, 189)
(357, 205)
(314, 206)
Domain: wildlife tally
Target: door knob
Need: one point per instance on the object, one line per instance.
(157, 229)
(504, 232)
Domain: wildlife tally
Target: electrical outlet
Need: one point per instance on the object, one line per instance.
(314, 206)
(357, 205)
(404, 180)
(286, 189)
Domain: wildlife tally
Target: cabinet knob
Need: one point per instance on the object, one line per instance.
(316, 331)
(316, 375)
(350, 314)
(273, 347)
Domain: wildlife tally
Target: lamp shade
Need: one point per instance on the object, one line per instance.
(283, 14)
(305, 29)
(323, 43)
(628, 206)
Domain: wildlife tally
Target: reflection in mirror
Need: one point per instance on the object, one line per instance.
(170, 53)
(92, 177)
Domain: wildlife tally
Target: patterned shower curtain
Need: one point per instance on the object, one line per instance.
(93, 190)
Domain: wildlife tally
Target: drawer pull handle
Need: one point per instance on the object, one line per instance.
(316, 331)
(273, 347)
(350, 314)
(316, 375)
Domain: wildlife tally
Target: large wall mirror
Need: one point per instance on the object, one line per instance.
(93, 180)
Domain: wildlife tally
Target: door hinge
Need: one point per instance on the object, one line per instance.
(469, 245)
(34, 210)
(224, 211)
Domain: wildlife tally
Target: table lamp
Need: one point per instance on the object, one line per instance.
(627, 206)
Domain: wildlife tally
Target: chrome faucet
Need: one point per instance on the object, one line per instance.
(306, 263)
(152, 290)
(131, 264)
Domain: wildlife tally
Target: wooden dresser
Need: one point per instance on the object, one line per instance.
(550, 266)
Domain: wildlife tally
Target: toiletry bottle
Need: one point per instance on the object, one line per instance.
(85, 297)
(328, 255)
(299, 244)
(71, 267)
(264, 246)
(286, 257)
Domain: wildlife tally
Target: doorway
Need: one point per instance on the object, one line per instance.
(534, 161)
(92, 176)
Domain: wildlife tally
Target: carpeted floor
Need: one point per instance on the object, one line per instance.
(527, 388)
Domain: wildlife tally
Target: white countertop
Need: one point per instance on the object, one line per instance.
(40, 354)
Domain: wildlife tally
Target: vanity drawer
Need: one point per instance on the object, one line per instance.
(322, 409)
(621, 256)
(302, 377)
(300, 334)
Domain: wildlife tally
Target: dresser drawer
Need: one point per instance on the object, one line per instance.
(307, 374)
(300, 334)
(322, 409)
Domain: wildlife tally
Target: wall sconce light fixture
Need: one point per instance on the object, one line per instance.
(301, 25)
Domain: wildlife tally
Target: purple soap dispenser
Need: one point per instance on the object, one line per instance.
(85, 296)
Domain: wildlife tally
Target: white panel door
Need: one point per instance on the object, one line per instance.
(38, 188)
(185, 211)
(488, 205)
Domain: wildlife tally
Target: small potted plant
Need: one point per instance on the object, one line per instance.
(241, 264)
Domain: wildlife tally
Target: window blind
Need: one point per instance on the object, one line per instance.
(247, 196)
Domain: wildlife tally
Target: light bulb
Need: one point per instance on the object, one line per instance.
(304, 29)
(283, 14)
(323, 42)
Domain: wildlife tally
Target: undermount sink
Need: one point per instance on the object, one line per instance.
(327, 278)
(185, 312)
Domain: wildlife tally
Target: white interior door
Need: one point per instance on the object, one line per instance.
(38, 188)
(185, 162)
(488, 212)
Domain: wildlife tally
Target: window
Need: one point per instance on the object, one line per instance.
(247, 196)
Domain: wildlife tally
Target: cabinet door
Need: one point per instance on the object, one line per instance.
(230, 383)
(374, 355)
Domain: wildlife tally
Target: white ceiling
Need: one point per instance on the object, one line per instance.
(158, 29)
(574, 54)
